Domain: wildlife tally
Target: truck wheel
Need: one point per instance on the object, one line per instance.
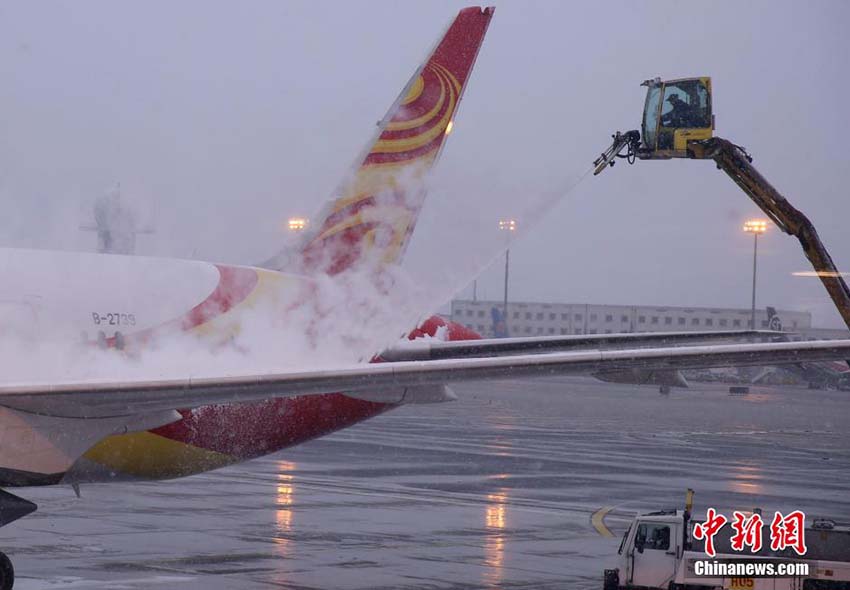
(611, 580)
(7, 573)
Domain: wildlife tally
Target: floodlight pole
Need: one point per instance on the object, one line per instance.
(755, 227)
(755, 258)
(505, 304)
(508, 226)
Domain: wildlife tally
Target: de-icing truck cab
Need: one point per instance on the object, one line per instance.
(659, 551)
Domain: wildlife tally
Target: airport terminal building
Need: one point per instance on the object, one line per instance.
(534, 319)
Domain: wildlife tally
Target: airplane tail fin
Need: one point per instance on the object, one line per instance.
(370, 217)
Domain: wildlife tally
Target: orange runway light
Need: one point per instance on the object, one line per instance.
(296, 223)
(755, 226)
(820, 273)
(507, 224)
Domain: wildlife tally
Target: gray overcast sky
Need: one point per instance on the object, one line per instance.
(222, 119)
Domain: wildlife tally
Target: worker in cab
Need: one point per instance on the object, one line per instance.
(680, 115)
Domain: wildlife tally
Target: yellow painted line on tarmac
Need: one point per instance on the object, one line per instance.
(597, 519)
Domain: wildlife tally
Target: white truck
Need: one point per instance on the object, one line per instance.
(658, 551)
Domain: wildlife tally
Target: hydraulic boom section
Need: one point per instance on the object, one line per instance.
(678, 123)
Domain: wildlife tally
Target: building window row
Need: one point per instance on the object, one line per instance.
(608, 318)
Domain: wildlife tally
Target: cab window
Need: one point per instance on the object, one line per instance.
(623, 542)
(686, 104)
(653, 536)
(650, 111)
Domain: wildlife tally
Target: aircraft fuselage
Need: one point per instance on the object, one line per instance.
(127, 303)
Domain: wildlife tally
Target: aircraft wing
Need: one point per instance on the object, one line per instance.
(105, 399)
(424, 350)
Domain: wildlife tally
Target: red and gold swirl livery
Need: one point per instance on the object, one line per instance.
(371, 219)
(419, 126)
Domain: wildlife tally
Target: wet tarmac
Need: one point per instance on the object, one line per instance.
(519, 484)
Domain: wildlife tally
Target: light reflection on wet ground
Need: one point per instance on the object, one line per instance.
(493, 491)
(495, 521)
(283, 514)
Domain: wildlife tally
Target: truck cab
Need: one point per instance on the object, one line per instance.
(659, 552)
(651, 549)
